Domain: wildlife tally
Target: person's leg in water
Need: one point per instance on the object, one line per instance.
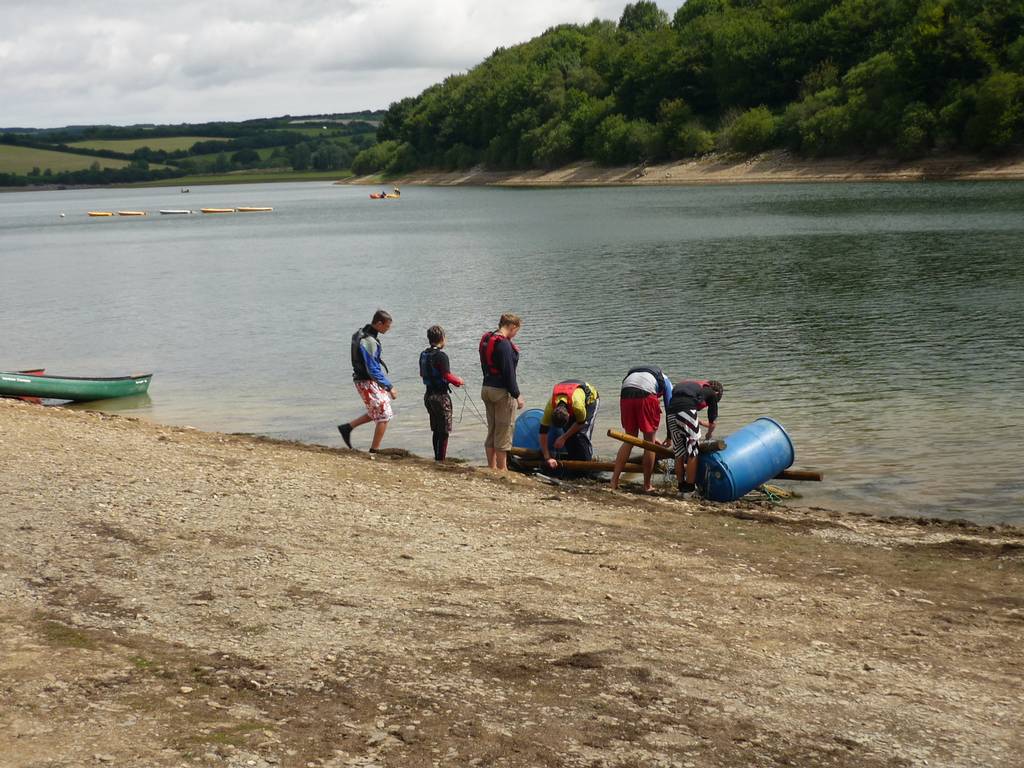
(440, 440)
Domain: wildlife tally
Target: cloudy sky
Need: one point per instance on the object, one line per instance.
(65, 62)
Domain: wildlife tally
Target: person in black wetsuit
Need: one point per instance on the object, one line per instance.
(436, 372)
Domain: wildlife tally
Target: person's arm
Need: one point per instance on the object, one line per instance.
(666, 394)
(712, 416)
(580, 413)
(507, 366)
(545, 427)
(373, 364)
(563, 438)
(443, 366)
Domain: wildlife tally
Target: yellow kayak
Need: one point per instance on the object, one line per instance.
(251, 209)
(131, 213)
(101, 213)
(217, 210)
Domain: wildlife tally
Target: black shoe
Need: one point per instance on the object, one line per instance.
(346, 433)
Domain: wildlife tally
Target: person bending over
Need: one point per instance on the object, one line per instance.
(688, 399)
(644, 390)
(573, 407)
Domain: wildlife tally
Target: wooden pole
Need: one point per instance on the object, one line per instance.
(657, 450)
(705, 446)
(584, 466)
(710, 446)
(525, 453)
(800, 474)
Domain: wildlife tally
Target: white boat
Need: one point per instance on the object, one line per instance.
(175, 210)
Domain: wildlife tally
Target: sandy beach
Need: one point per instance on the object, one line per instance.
(769, 167)
(172, 597)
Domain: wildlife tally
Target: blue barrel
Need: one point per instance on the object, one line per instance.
(753, 455)
(527, 431)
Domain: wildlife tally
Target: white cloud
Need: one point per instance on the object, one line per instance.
(122, 62)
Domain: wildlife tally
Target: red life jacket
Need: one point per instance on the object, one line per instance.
(487, 343)
(566, 389)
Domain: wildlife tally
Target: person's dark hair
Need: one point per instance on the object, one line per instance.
(560, 415)
(717, 388)
(380, 316)
(435, 333)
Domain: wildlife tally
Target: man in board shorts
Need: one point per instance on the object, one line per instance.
(688, 398)
(369, 374)
(644, 390)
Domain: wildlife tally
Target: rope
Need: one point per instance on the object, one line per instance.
(467, 399)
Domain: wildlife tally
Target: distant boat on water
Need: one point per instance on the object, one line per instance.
(101, 213)
(252, 209)
(217, 210)
(131, 213)
(178, 211)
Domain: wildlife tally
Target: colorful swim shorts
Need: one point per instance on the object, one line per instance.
(377, 400)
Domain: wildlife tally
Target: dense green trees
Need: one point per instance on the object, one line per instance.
(900, 77)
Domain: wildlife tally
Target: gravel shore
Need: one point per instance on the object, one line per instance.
(171, 597)
(774, 166)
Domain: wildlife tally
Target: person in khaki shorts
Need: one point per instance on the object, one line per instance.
(500, 393)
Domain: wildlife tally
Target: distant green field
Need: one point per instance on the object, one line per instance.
(23, 159)
(168, 143)
(246, 177)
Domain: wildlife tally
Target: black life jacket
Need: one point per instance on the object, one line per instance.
(359, 370)
(691, 395)
(432, 377)
(655, 371)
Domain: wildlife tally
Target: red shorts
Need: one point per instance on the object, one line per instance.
(640, 414)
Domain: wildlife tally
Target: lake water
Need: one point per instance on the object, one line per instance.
(881, 324)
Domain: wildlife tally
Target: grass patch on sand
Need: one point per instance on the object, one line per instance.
(59, 634)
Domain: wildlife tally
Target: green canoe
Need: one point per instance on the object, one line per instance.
(79, 389)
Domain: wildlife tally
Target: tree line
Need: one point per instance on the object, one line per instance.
(901, 78)
(332, 150)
